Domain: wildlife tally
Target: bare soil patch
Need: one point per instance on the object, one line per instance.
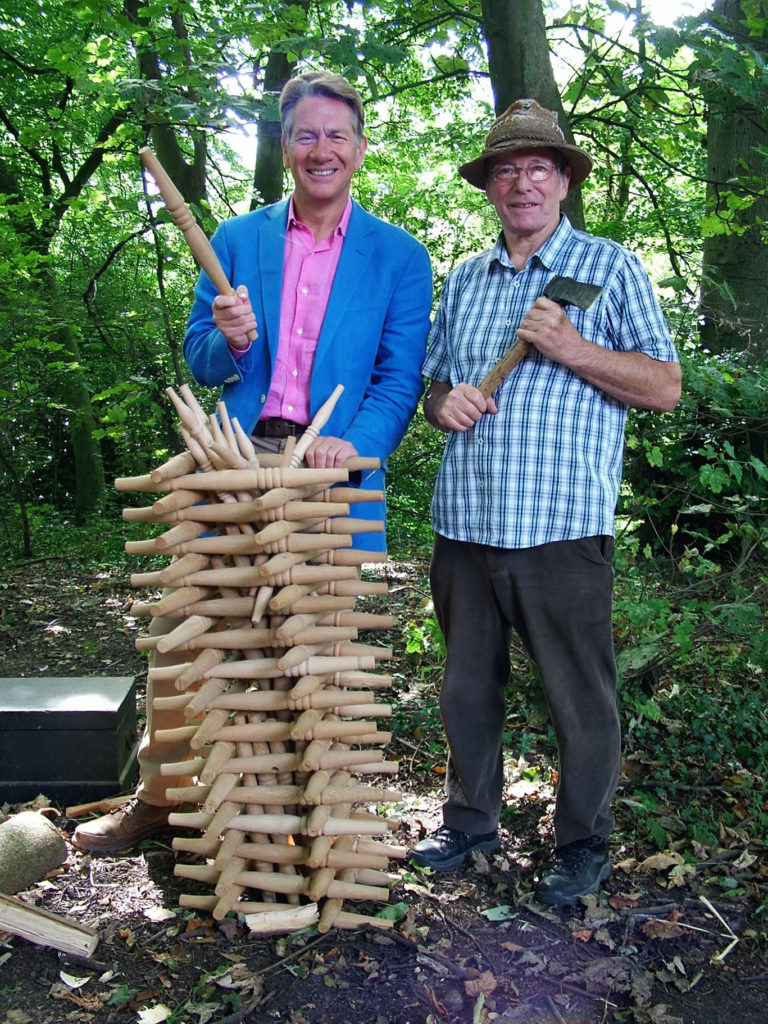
(472, 945)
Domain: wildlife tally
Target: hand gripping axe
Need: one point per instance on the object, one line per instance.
(564, 290)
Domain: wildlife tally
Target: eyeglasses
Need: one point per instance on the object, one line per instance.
(537, 172)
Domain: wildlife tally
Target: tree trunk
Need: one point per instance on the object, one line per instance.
(734, 294)
(76, 397)
(189, 176)
(520, 67)
(268, 171)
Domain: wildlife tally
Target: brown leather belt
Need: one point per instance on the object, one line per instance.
(276, 426)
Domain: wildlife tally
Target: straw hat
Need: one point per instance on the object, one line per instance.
(526, 125)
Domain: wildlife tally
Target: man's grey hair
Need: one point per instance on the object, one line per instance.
(320, 83)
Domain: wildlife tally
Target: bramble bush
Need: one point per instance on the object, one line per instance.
(696, 479)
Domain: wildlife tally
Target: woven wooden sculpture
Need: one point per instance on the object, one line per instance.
(279, 694)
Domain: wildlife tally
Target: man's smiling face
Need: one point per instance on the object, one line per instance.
(526, 208)
(323, 151)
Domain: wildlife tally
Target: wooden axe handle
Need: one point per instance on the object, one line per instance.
(505, 365)
(564, 290)
(196, 238)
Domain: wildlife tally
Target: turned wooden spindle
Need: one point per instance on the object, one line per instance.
(319, 420)
(194, 235)
(279, 695)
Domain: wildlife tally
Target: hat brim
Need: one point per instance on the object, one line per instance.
(476, 174)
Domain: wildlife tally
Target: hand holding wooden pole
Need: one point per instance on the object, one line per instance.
(196, 238)
(564, 290)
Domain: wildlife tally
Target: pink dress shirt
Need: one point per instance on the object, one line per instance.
(308, 272)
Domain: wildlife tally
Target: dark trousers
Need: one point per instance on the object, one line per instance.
(558, 598)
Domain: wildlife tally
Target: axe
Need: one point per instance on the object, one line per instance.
(564, 290)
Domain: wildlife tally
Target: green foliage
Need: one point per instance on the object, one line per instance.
(416, 719)
(425, 645)
(98, 541)
(70, 186)
(693, 670)
(696, 480)
(412, 473)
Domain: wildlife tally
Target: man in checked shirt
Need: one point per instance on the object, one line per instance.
(524, 504)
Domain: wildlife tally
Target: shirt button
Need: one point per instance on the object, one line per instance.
(294, 373)
(517, 283)
(479, 440)
(300, 330)
(304, 291)
(290, 408)
(508, 323)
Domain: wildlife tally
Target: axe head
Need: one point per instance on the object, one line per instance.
(569, 292)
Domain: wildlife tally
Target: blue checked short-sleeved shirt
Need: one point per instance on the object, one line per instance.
(547, 467)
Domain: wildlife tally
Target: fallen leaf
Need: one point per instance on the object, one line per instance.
(90, 1003)
(682, 874)
(71, 981)
(483, 985)
(603, 936)
(656, 929)
(393, 912)
(500, 913)
(17, 1017)
(658, 1015)
(238, 976)
(676, 964)
(154, 1015)
(660, 862)
(626, 901)
(205, 1011)
(159, 913)
(744, 860)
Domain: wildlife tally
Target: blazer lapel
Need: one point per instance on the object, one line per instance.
(350, 275)
(271, 245)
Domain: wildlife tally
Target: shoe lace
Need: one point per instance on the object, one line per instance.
(570, 860)
(446, 833)
(130, 805)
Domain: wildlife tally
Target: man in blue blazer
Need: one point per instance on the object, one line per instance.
(374, 288)
(336, 296)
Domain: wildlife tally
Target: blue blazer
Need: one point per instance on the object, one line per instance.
(372, 340)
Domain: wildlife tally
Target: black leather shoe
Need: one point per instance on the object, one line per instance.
(448, 847)
(578, 869)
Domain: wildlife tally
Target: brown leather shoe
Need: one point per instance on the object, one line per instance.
(123, 828)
